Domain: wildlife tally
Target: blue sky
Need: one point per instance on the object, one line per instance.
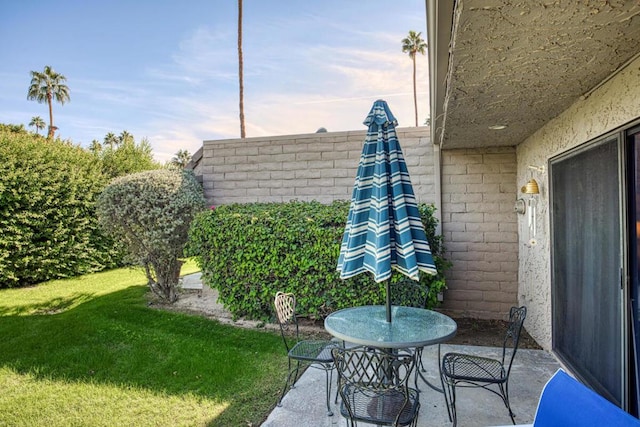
(168, 70)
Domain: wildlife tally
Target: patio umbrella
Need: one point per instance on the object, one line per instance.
(383, 230)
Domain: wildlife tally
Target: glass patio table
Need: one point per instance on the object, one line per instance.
(410, 327)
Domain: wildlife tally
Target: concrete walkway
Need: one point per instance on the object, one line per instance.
(304, 406)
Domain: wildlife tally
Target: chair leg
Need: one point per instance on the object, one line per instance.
(449, 391)
(419, 367)
(449, 387)
(444, 383)
(295, 376)
(284, 389)
(329, 376)
(422, 368)
(454, 413)
(505, 397)
(293, 373)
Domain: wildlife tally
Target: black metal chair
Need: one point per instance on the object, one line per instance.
(315, 353)
(466, 370)
(373, 385)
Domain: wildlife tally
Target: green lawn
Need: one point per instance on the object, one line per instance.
(89, 351)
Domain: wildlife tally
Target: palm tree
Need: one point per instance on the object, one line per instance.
(243, 132)
(181, 158)
(47, 86)
(95, 147)
(38, 123)
(412, 45)
(111, 139)
(125, 138)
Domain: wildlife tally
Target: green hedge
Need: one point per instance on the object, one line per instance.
(48, 226)
(249, 252)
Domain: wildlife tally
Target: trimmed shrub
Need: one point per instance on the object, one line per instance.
(249, 252)
(48, 227)
(150, 213)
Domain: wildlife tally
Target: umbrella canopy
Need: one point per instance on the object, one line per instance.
(384, 229)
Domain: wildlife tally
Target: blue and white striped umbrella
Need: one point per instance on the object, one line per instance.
(384, 229)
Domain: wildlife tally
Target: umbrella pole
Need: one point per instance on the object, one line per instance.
(388, 285)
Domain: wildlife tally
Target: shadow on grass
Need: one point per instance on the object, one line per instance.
(51, 306)
(116, 339)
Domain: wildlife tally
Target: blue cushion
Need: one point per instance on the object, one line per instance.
(566, 402)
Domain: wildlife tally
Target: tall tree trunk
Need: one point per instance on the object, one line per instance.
(415, 95)
(51, 129)
(243, 132)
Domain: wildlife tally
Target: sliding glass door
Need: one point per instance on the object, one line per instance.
(587, 265)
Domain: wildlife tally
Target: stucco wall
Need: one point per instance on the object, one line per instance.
(479, 227)
(615, 103)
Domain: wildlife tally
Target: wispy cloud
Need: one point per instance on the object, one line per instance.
(322, 86)
(204, 56)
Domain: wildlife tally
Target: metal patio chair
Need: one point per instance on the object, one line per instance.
(315, 353)
(466, 370)
(373, 385)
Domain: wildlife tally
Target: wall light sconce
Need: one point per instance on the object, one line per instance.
(531, 187)
(529, 205)
(533, 190)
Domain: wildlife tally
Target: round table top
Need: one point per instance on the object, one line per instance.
(409, 327)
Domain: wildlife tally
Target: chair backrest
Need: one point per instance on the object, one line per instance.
(409, 293)
(512, 337)
(565, 402)
(285, 305)
(373, 373)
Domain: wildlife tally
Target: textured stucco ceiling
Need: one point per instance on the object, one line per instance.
(521, 63)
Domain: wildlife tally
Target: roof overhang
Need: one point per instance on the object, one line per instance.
(517, 64)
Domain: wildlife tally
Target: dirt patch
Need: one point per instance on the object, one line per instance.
(481, 332)
(488, 333)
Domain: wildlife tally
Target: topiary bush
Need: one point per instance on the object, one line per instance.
(48, 227)
(150, 214)
(249, 252)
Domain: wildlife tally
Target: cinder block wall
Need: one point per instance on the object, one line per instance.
(317, 166)
(480, 231)
(478, 194)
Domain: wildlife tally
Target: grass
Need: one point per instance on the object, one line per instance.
(89, 351)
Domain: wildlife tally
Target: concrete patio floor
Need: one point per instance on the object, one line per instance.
(304, 405)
